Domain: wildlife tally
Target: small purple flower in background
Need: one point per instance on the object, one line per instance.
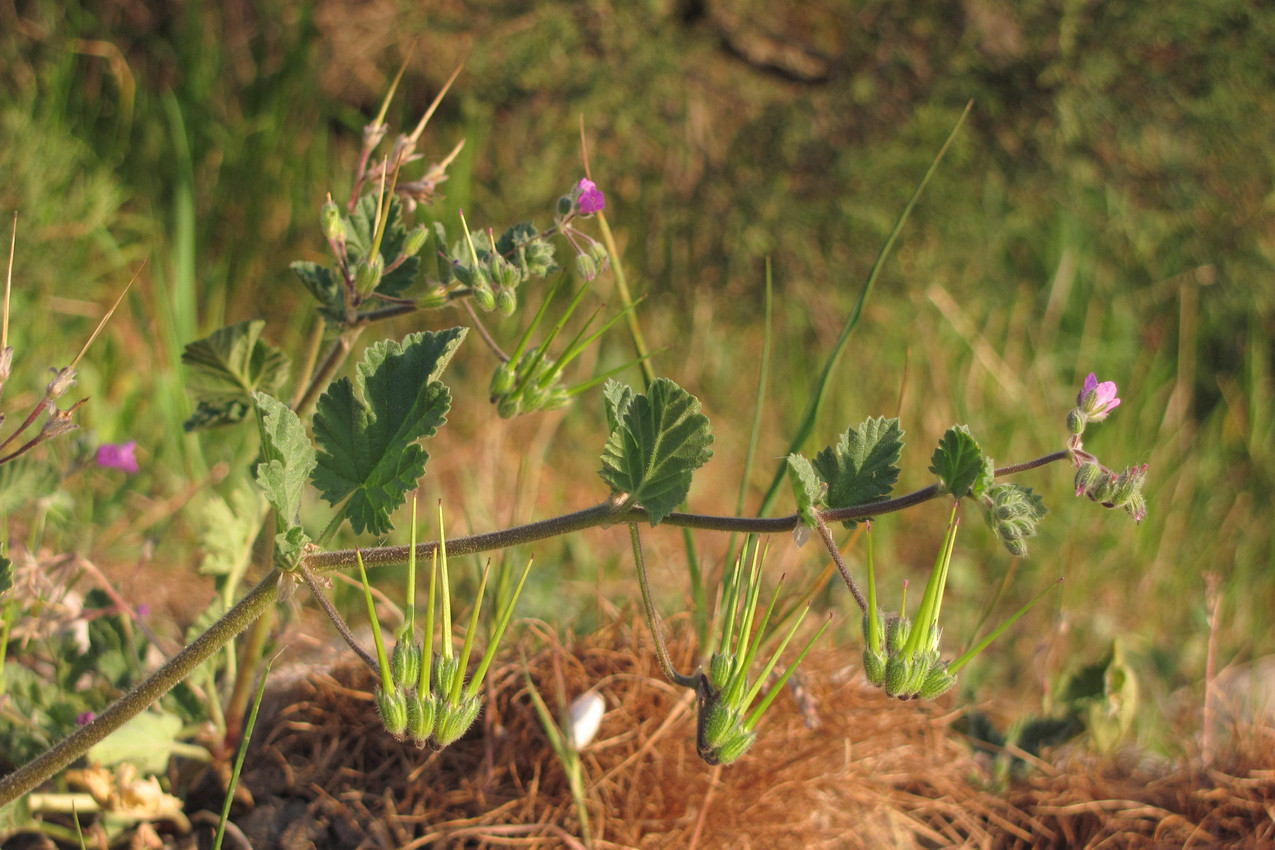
(86, 718)
(143, 611)
(118, 456)
(589, 198)
(1097, 400)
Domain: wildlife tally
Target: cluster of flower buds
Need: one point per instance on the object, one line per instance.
(726, 725)
(423, 694)
(531, 379)
(1093, 480)
(493, 268)
(363, 267)
(901, 654)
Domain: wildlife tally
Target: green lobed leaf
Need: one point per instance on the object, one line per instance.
(660, 439)
(226, 368)
(617, 398)
(287, 461)
(864, 465)
(324, 286)
(806, 486)
(368, 448)
(147, 741)
(958, 461)
(985, 479)
(228, 527)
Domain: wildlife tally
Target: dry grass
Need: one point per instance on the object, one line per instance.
(875, 773)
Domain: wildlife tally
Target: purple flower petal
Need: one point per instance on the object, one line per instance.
(118, 456)
(589, 198)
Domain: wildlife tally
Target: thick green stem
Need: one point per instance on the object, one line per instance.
(252, 606)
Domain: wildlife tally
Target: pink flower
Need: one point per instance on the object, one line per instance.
(118, 456)
(588, 197)
(1097, 400)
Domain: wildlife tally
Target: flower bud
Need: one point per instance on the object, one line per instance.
(415, 240)
(1076, 422)
(392, 706)
(719, 723)
(586, 267)
(508, 406)
(367, 275)
(481, 289)
(896, 634)
(874, 664)
(333, 223)
(1086, 476)
(454, 721)
(558, 398)
(421, 713)
(730, 750)
(719, 670)
(937, 683)
(405, 661)
(898, 673)
(502, 380)
(564, 205)
(444, 674)
(506, 300)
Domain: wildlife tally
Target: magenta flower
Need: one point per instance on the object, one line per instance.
(85, 718)
(118, 456)
(1097, 400)
(589, 198)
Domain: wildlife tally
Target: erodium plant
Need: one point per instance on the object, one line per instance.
(358, 442)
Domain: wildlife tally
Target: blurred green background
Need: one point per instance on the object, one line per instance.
(1107, 208)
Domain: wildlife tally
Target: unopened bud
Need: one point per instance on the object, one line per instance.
(506, 300)
(1086, 476)
(454, 720)
(333, 223)
(415, 240)
(405, 660)
(393, 708)
(1076, 420)
(502, 380)
(367, 275)
(421, 713)
(719, 669)
(898, 672)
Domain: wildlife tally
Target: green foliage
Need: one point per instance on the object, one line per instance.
(148, 741)
(959, 462)
(24, 480)
(6, 575)
(863, 466)
(658, 440)
(287, 459)
(806, 486)
(368, 449)
(226, 368)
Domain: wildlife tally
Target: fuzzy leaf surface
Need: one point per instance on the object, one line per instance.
(863, 466)
(368, 443)
(806, 486)
(659, 440)
(226, 368)
(958, 461)
(287, 459)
